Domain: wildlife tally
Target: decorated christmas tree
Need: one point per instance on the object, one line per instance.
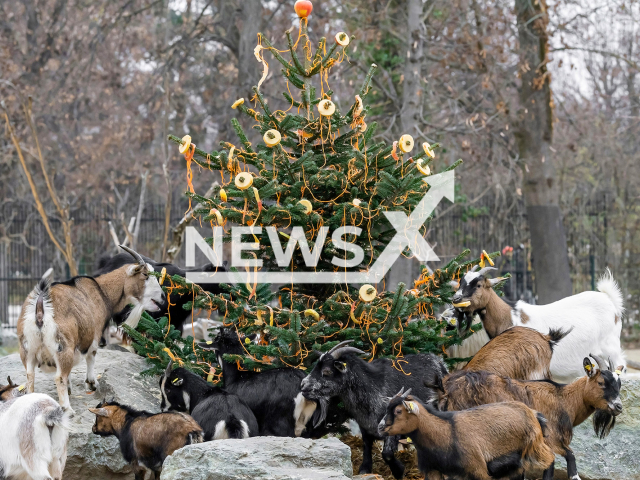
(327, 209)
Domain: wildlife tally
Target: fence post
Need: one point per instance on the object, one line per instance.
(4, 287)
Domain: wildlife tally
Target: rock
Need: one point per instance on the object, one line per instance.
(615, 457)
(368, 476)
(261, 458)
(91, 456)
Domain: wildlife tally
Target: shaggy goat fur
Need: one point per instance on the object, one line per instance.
(564, 406)
(487, 442)
(518, 352)
(34, 436)
(146, 439)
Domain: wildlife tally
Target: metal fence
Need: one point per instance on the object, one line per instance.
(482, 226)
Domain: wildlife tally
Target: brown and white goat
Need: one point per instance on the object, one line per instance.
(564, 406)
(488, 442)
(61, 322)
(146, 439)
(593, 317)
(7, 392)
(518, 352)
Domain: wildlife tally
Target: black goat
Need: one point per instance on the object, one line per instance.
(364, 388)
(146, 439)
(272, 395)
(219, 413)
(173, 310)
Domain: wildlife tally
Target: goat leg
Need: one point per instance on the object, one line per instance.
(91, 360)
(548, 473)
(367, 459)
(388, 455)
(31, 374)
(572, 469)
(64, 363)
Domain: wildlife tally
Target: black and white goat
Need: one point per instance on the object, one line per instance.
(146, 439)
(594, 317)
(273, 396)
(220, 414)
(61, 322)
(33, 443)
(364, 389)
(173, 308)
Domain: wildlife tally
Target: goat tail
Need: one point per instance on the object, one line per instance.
(557, 334)
(52, 431)
(42, 295)
(537, 454)
(608, 286)
(197, 436)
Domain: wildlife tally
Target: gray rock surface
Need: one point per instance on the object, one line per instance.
(617, 457)
(91, 456)
(261, 458)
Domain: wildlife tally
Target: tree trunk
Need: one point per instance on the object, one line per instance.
(247, 66)
(408, 269)
(534, 134)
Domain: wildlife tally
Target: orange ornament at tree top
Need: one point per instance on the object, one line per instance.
(303, 8)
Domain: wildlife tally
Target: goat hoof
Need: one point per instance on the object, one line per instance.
(91, 386)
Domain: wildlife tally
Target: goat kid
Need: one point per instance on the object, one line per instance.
(488, 442)
(273, 396)
(364, 389)
(7, 392)
(594, 317)
(34, 437)
(62, 322)
(220, 414)
(564, 406)
(518, 352)
(146, 439)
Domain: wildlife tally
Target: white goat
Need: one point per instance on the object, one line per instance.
(34, 436)
(594, 317)
(62, 322)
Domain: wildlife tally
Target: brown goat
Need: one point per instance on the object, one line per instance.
(518, 352)
(146, 439)
(564, 406)
(61, 322)
(488, 442)
(7, 392)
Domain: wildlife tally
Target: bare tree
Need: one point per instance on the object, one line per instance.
(534, 135)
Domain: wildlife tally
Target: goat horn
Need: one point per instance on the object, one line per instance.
(475, 267)
(341, 351)
(405, 394)
(11, 384)
(399, 393)
(134, 254)
(486, 270)
(610, 364)
(601, 365)
(167, 372)
(341, 344)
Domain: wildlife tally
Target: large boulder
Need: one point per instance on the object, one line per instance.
(261, 458)
(615, 457)
(91, 456)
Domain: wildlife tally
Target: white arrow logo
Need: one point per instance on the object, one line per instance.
(407, 235)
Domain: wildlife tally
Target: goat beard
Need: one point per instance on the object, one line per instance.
(603, 423)
(320, 415)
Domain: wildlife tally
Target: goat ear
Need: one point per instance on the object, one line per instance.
(100, 412)
(411, 407)
(135, 269)
(177, 381)
(340, 366)
(589, 368)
